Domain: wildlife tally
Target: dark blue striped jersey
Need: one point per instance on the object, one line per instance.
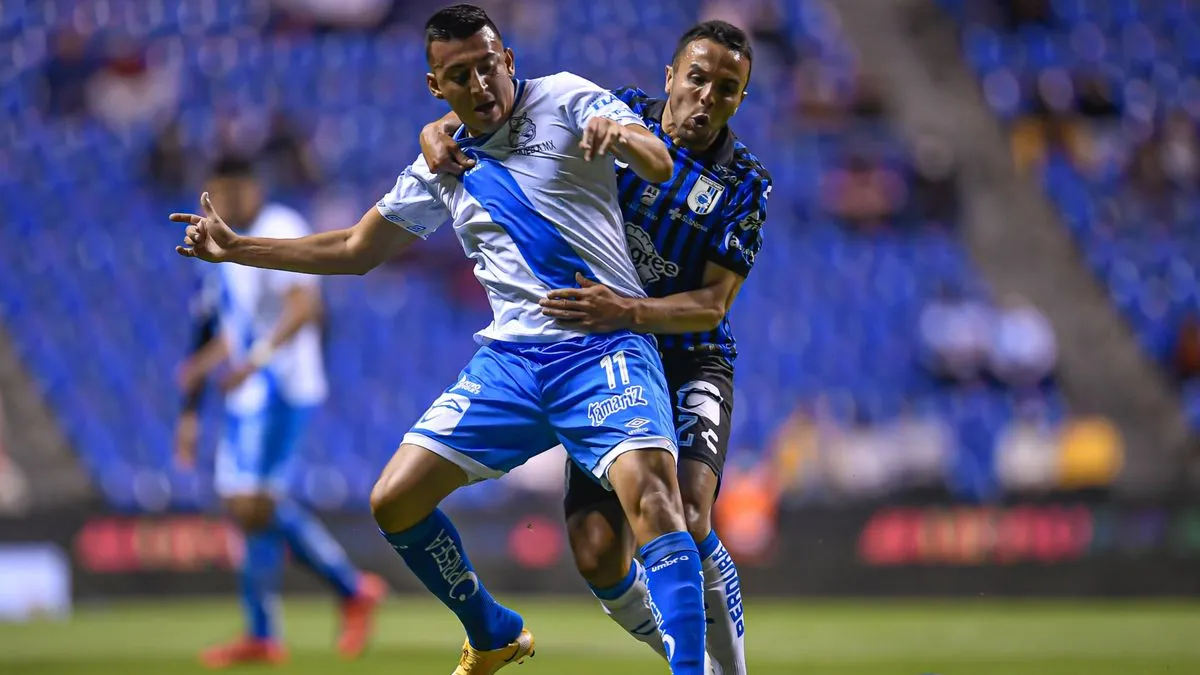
(712, 210)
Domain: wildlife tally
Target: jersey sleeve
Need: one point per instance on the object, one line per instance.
(287, 224)
(736, 246)
(582, 100)
(412, 203)
(631, 96)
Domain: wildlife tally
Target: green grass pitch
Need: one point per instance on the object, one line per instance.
(417, 636)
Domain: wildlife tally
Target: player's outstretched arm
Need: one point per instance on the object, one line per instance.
(597, 308)
(354, 250)
(633, 144)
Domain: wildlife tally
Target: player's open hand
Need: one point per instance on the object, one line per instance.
(592, 307)
(441, 151)
(207, 237)
(602, 136)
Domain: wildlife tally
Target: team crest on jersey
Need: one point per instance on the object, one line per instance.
(704, 195)
(521, 130)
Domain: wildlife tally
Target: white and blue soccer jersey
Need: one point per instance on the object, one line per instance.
(531, 214)
(266, 414)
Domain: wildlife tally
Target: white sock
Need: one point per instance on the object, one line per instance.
(628, 604)
(723, 605)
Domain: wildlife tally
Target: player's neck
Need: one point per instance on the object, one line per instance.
(669, 125)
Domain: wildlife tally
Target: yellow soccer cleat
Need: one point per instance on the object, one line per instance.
(477, 662)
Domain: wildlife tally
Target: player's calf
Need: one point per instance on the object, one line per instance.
(603, 551)
(647, 486)
(404, 502)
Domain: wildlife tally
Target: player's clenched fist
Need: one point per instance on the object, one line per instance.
(602, 136)
(207, 238)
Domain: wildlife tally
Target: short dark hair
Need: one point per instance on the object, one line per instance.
(232, 166)
(723, 33)
(457, 22)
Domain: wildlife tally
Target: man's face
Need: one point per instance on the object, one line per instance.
(237, 199)
(474, 76)
(705, 86)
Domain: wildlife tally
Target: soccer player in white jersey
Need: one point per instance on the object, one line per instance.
(265, 326)
(539, 206)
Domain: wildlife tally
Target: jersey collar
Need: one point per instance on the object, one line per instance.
(466, 141)
(721, 152)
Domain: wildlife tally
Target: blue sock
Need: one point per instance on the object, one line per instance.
(261, 569)
(676, 585)
(315, 548)
(614, 592)
(434, 552)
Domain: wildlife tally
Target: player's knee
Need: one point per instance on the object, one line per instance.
(649, 491)
(411, 486)
(390, 503)
(658, 503)
(385, 496)
(252, 513)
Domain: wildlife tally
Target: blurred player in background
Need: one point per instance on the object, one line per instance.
(265, 324)
(538, 208)
(693, 240)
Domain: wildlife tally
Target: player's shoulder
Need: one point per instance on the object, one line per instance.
(560, 85)
(419, 169)
(752, 174)
(281, 221)
(635, 98)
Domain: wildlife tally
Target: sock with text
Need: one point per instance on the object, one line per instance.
(628, 604)
(434, 552)
(723, 604)
(676, 584)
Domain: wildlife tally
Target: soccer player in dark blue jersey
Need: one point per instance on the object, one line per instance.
(693, 240)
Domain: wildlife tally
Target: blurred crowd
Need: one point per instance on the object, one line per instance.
(1108, 93)
(977, 418)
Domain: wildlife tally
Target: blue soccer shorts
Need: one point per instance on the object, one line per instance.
(598, 396)
(257, 451)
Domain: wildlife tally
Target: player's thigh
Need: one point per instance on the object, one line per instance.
(600, 539)
(608, 396)
(703, 388)
(489, 421)
(411, 486)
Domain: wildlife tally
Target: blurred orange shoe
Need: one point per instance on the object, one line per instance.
(244, 650)
(358, 616)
